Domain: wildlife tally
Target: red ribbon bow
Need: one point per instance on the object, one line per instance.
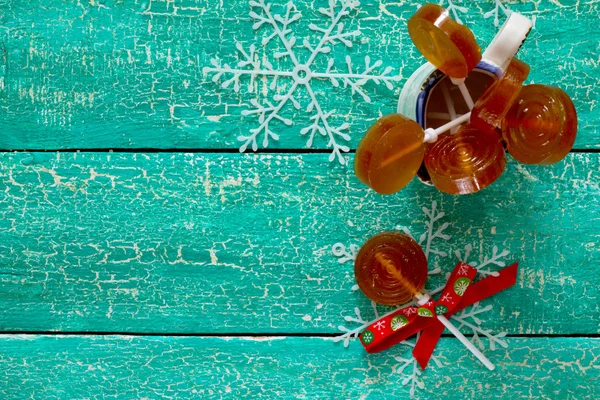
(458, 293)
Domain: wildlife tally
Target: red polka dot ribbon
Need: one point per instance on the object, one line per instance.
(459, 292)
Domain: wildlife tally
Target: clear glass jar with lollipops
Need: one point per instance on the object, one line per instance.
(393, 149)
(391, 269)
(538, 123)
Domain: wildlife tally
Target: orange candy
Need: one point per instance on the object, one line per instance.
(493, 105)
(465, 162)
(448, 45)
(391, 268)
(541, 126)
(390, 154)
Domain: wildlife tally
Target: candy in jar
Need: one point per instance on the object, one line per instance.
(541, 126)
(448, 45)
(465, 162)
(492, 106)
(390, 154)
(391, 268)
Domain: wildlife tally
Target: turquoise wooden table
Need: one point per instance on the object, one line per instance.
(142, 256)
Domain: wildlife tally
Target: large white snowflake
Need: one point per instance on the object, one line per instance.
(252, 67)
(467, 321)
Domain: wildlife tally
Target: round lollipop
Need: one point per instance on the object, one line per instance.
(448, 45)
(465, 162)
(391, 268)
(392, 151)
(390, 154)
(364, 152)
(494, 103)
(541, 126)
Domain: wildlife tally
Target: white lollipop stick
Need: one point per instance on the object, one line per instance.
(470, 346)
(431, 135)
(449, 104)
(467, 96)
(465, 92)
(422, 299)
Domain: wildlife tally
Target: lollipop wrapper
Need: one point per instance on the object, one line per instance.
(459, 292)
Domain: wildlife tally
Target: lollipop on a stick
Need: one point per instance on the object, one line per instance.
(448, 45)
(391, 269)
(541, 126)
(390, 154)
(465, 162)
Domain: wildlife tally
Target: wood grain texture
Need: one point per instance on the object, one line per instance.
(122, 242)
(111, 74)
(174, 367)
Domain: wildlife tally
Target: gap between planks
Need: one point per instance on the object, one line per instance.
(204, 151)
(263, 335)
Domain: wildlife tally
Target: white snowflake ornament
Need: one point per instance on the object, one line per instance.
(496, 11)
(302, 75)
(454, 9)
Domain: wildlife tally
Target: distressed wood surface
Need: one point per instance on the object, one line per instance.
(109, 74)
(121, 242)
(225, 244)
(191, 367)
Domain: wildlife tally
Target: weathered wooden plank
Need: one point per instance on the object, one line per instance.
(129, 74)
(191, 367)
(235, 243)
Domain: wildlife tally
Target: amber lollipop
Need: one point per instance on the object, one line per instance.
(541, 126)
(391, 269)
(392, 151)
(390, 154)
(494, 103)
(465, 162)
(448, 45)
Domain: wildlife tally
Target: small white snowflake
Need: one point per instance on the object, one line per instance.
(410, 311)
(380, 325)
(302, 75)
(447, 297)
(463, 270)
